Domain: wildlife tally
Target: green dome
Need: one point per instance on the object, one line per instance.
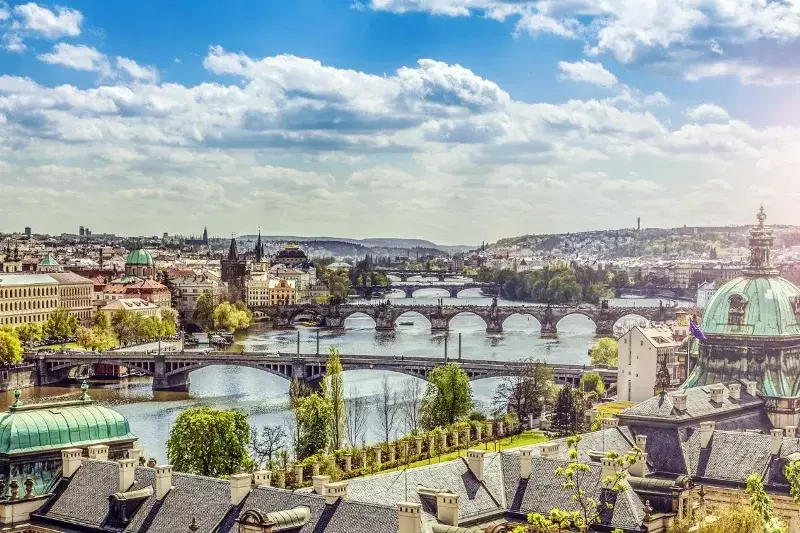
(755, 306)
(55, 426)
(140, 257)
(48, 260)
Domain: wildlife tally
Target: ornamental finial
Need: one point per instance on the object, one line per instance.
(17, 401)
(761, 216)
(85, 391)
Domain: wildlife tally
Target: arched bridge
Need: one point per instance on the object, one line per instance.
(171, 371)
(410, 288)
(441, 275)
(386, 314)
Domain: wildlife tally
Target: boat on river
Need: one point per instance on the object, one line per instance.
(405, 323)
(309, 324)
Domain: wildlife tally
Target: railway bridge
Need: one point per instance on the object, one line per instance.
(171, 370)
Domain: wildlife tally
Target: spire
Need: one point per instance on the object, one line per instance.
(233, 255)
(760, 244)
(259, 247)
(205, 236)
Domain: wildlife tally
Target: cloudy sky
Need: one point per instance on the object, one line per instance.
(452, 120)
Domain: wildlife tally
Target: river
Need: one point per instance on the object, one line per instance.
(264, 396)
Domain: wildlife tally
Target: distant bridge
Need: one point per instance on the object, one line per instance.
(171, 371)
(385, 314)
(440, 275)
(410, 288)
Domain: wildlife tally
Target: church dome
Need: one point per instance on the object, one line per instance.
(754, 306)
(140, 257)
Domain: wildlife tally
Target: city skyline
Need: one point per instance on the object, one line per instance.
(456, 121)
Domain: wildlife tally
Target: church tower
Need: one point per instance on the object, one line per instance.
(234, 270)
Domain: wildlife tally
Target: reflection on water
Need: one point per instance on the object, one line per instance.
(264, 396)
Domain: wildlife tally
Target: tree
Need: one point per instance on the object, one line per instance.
(169, 321)
(10, 347)
(387, 407)
(29, 333)
(411, 404)
(127, 326)
(264, 445)
(209, 442)
(231, 317)
(204, 309)
(61, 325)
(447, 398)
(313, 430)
(592, 382)
(604, 352)
(621, 280)
(526, 393)
(579, 479)
(568, 412)
(333, 388)
(762, 505)
(356, 411)
(100, 320)
(85, 337)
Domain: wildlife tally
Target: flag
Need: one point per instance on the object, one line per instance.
(696, 331)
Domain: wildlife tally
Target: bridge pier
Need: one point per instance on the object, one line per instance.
(454, 292)
(163, 381)
(384, 323)
(604, 329)
(494, 324)
(439, 324)
(333, 322)
(409, 292)
(548, 331)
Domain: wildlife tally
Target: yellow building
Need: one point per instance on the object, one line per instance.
(26, 298)
(282, 292)
(258, 291)
(134, 305)
(75, 293)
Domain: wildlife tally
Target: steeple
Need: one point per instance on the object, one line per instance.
(259, 248)
(205, 236)
(760, 243)
(233, 255)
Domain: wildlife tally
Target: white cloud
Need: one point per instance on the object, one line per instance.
(78, 57)
(60, 22)
(707, 113)
(746, 73)
(587, 72)
(12, 42)
(132, 68)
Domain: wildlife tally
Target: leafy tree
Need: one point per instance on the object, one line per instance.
(333, 388)
(568, 412)
(621, 280)
(209, 442)
(231, 318)
(313, 425)
(604, 352)
(149, 328)
(762, 505)
(447, 398)
(204, 309)
(528, 392)
(29, 333)
(10, 347)
(61, 325)
(100, 320)
(338, 286)
(265, 445)
(127, 326)
(169, 321)
(85, 337)
(592, 382)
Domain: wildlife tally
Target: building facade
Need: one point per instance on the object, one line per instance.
(75, 294)
(282, 292)
(26, 298)
(132, 305)
(648, 358)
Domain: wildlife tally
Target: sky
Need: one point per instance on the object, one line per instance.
(458, 121)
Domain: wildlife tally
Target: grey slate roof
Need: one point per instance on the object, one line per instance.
(698, 405)
(730, 456)
(544, 491)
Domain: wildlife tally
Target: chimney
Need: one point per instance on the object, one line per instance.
(607, 469)
(262, 477)
(134, 453)
(639, 468)
(163, 480)
(775, 441)
(240, 487)
(70, 461)
(127, 467)
(98, 452)
(409, 519)
(475, 462)
(735, 391)
(549, 450)
(790, 431)
(679, 402)
(717, 393)
(525, 463)
(447, 508)
(608, 423)
(334, 491)
(706, 432)
(319, 483)
(641, 442)
(751, 387)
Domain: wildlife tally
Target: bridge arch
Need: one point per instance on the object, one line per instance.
(412, 316)
(348, 317)
(465, 313)
(529, 320)
(574, 322)
(441, 292)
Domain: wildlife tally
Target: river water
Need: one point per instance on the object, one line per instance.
(264, 396)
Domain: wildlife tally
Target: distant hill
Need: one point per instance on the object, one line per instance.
(382, 246)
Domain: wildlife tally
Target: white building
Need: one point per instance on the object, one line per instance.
(189, 289)
(641, 351)
(134, 305)
(704, 293)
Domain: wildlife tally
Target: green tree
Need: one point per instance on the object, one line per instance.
(231, 317)
(447, 398)
(169, 319)
(209, 442)
(762, 505)
(204, 309)
(61, 325)
(100, 320)
(85, 337)
(592, 382)
(568, 412)
(313, 415)
(604, 352)
(29, 333)
(10, 347)
(621, 280)
(127, 326)
(333, 388)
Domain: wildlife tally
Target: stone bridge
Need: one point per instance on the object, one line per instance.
(404, 275)
(410, 288)
(385, 315)
(171, 371)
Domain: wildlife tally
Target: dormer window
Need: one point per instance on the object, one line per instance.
(737, 304)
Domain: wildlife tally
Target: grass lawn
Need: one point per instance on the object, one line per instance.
(612, 408)
(526, 438)
(57, 347)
